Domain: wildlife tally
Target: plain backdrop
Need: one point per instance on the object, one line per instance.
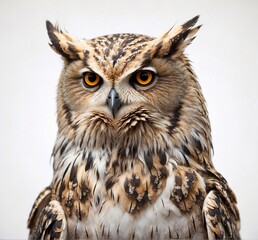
(224, 56)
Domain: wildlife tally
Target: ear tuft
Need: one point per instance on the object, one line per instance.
(63, 43)
(176, 39)
(191, 22)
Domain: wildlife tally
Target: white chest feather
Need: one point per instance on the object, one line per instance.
(121, 212)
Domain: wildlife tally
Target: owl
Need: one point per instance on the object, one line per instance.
(133, 153)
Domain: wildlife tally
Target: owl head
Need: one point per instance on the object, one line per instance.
(131, 91)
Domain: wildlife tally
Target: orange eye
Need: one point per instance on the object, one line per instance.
(144, 77)
(91, 79)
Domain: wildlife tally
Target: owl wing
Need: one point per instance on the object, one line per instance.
(220, 213)
(47, 218)
(42, 200)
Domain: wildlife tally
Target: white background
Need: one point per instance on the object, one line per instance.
(224, 56)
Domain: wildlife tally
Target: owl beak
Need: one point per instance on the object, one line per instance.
(113, 101)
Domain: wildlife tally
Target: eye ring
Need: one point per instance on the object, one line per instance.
(143, 78)
(91, 79)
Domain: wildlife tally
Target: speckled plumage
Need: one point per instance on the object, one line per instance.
(145, 172)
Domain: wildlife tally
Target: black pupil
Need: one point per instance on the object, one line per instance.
(144, 76)
(92, 77)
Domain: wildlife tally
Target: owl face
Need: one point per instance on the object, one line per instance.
(115, 84)
(157, 85)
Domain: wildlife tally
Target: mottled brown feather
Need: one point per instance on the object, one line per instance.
(145, 172)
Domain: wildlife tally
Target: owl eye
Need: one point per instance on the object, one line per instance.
(91, 79)
(143, 77)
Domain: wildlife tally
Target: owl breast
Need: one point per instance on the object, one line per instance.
(133, 204)
(123, 188)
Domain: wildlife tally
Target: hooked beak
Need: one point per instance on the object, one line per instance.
(113, 101)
